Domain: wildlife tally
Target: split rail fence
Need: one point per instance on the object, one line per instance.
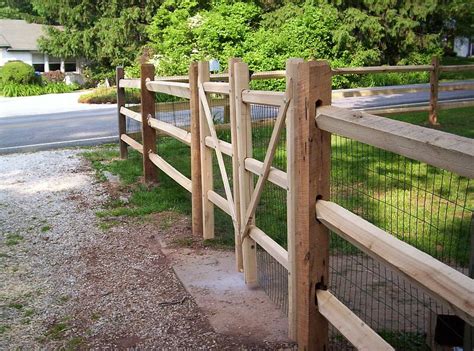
(306, 120)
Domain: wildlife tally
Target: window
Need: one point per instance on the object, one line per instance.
(39, 67)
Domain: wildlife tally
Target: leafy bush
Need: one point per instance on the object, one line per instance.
(15, 90)
(53, 76)
(18, 72)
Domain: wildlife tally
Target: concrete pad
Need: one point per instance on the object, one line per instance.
(232, 308)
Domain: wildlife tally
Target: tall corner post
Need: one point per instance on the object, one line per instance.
(196, 178)
(148, 133)
(122, 124)
(206, 160)
(434, 85)
(244, 150)
(311, 88)
(235, 163)
(291, 77)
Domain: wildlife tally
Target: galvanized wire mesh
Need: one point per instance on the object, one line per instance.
(429, 208)
(424, 206)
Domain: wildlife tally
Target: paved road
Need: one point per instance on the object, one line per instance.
(45, 122)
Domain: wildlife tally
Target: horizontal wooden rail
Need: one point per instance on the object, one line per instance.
(412, 88)
(270, 245)
(280, 74)
(440, 281)
(397, 109)
(172, 172)
(273, 98)
(381, 69)
(445, 105)
(226, 148)
(130, 83)
(440, 149)
(171, 130)
(268, 75)
(216, 87)
(137, 116)
(219, 201)
(132, 142)
(170, 88)
(461, 85)
(348, 324)
(456, 68)
(276, 176)
(356, 92)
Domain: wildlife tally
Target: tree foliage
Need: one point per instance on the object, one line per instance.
(107, 33)
(172, 33)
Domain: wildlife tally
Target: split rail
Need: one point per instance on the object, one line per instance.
(305, 110)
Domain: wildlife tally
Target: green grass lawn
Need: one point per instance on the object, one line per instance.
(449, 61)
(422, 205)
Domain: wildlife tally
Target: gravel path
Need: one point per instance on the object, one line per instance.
(66, 284)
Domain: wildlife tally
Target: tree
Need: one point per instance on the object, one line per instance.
(108, 33)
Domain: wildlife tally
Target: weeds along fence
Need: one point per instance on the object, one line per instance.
(345, 218)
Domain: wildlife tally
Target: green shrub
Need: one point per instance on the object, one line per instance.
(15, 90)
(18, 72)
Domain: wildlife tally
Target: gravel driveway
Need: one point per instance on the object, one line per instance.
(66, 284)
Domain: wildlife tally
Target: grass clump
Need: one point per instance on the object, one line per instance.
(105, 95)
(13, 239)
(45, 228)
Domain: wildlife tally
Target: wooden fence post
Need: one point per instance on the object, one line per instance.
(468, 342)
(148, 133)
(235, 162)
(244, 146)
(122, 121)
(195, 151)
(434, 81)
(291, 77)
(311, 88)
(206, 161)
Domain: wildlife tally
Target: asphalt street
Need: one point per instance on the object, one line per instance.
(26, 124)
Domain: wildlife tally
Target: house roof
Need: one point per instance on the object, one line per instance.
(20, 35)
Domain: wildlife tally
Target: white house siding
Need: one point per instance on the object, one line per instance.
(24, 56)
(43, 62)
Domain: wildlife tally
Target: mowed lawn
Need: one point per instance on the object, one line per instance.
(427, 207)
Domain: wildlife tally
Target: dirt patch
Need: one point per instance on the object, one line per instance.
(65, 283)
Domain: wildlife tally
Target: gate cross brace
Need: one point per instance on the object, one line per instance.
(267, 163)
(220, 159)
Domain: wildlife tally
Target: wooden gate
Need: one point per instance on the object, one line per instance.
(242, 198)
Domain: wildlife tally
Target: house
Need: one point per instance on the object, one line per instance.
(19, 42)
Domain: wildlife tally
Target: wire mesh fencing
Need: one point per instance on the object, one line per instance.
(427, 207)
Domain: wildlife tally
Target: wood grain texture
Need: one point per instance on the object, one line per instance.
(148, 133)
(244, 146)
(311, 87)
(122, 123)
(196, 177)
(434, 83)
(132, 142)
(206, 160)
(170, 171)
(348, 324)
(239, 264)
